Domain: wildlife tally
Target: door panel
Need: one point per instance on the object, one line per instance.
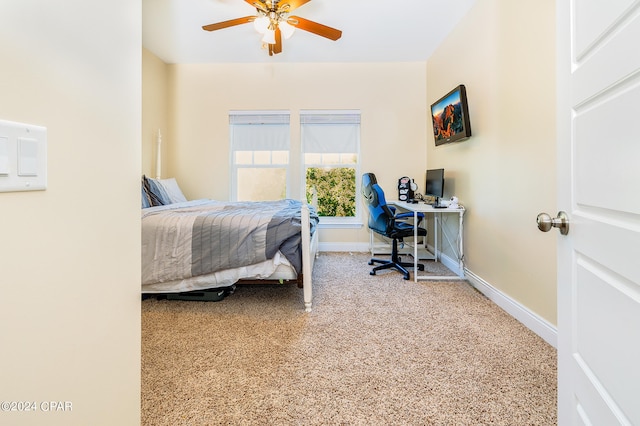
(598, 185)
(608, 151)
(590, 408)
(606, 320)
(609, 62)
(617, 241)
(600, 15)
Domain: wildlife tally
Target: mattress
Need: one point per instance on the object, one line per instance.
(278, 268)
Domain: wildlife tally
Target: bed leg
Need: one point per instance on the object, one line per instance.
(306, 257)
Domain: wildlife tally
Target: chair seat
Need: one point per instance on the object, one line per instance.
(401, 230)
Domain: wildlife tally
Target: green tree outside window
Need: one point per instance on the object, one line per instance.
(335, 188)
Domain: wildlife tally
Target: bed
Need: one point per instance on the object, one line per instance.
(208, 244)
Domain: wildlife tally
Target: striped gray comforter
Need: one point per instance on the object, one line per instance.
(184, 240)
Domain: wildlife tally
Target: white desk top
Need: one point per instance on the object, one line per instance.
(423, 207)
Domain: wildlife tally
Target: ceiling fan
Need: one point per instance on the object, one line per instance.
(273, 21)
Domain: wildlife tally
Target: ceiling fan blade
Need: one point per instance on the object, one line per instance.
(314, 27)
(277, 48)
(292, 4)
(230, 23)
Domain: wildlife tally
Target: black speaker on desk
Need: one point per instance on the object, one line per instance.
(406, 186)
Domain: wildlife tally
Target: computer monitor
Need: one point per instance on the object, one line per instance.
(434, 185)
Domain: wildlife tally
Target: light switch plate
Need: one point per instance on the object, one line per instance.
(23, 157)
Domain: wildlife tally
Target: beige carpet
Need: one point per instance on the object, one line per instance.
(376, 350)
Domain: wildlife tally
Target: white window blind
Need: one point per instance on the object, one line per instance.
(259, 131)
(330, 132)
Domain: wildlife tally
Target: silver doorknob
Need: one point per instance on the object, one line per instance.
(546, 222)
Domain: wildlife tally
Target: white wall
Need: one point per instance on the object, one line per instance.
(504, 53)
(70, 255)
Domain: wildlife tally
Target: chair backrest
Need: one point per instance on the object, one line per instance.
(380, 216)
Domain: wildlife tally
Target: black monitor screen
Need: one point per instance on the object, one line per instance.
(434, 185)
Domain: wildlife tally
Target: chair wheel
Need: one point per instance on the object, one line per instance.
(372, 273)
(420, 267)
(371, 262)
(406, 277)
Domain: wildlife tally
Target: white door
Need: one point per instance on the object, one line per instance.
(598, 86)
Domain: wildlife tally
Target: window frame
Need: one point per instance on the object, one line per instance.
(334, 117)
(258, 118)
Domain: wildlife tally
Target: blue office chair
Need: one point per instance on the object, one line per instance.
(382, 220)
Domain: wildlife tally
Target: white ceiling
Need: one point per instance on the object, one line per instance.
(372, 31)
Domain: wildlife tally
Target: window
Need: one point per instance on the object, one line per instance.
(331, 147)
(259, 155)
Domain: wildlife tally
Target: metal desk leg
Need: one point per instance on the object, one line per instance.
(436, 229)
(415, 246)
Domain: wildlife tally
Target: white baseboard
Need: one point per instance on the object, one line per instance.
(449, 262)
(344, 247)
(532, 321)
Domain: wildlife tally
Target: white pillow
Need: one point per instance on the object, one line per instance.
(173, 190)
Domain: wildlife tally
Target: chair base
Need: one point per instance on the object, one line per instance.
(395, 263)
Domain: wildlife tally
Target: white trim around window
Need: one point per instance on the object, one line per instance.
(332, 139)
(263, 140)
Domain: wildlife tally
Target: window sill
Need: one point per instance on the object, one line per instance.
(340, 225)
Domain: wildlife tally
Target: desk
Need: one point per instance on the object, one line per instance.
(456, 246)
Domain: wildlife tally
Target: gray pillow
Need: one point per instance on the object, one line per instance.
(155, 197)
(145, 198)
(171, 188)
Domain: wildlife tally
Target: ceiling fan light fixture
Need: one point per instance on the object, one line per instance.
(269, 37)
(261, 24)
(286, 28)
